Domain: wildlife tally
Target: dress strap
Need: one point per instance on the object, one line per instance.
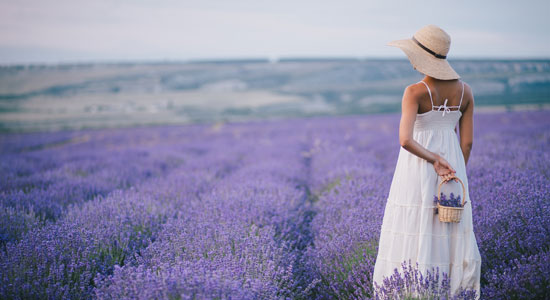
(461, 95)
(429, 92)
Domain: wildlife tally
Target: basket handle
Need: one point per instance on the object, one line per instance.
(463, 189)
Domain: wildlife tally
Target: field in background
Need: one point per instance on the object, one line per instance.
(125, 94)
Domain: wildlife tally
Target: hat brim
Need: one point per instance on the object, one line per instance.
(425, 62)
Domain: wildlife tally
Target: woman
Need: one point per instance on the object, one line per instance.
(431, 151)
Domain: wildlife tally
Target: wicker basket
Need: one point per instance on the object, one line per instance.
(449, 214)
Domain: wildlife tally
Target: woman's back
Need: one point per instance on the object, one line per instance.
(430, 153)
(436, 92)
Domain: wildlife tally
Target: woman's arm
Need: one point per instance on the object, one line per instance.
(467, 125)
(409, 109)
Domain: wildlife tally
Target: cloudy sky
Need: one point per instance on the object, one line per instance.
(108, 30)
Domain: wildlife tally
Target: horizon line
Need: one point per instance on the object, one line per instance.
(254, 59)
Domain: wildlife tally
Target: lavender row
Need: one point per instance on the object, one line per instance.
(237, 241)
(120, 226)
(510, 192)
(39, 183)
(350, 170)
(62, 259)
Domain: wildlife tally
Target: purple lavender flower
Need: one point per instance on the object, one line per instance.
(451, 201)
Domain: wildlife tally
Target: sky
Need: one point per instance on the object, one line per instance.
(61, 31)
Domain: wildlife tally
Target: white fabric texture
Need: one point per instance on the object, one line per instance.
(410, 228)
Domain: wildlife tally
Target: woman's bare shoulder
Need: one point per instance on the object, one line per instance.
(416, 87)
(415, 91)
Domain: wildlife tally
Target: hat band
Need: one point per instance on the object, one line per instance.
(428, 49)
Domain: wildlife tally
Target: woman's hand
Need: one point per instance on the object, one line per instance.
(443, 168)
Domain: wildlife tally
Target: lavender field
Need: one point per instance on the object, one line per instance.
(286, 209)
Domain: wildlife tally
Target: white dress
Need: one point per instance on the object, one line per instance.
(410, 228)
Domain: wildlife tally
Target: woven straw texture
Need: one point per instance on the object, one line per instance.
(450, 214)
(438, 41)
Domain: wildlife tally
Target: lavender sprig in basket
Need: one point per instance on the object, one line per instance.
(450, 209)
(452, 201)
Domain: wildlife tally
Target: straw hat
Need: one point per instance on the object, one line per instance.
(427, 51)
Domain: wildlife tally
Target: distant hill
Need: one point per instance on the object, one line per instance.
(52, 97)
